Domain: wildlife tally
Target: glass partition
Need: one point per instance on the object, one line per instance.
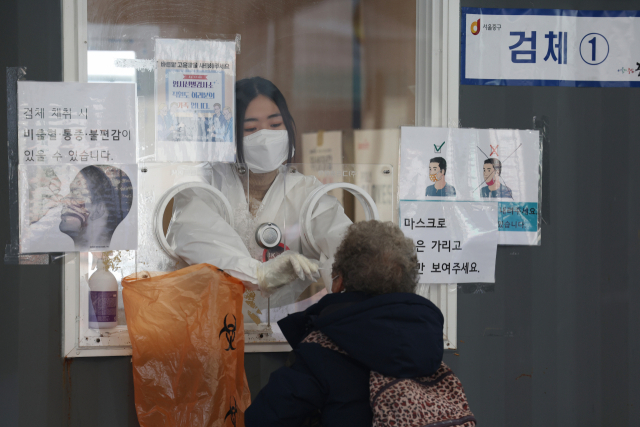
(341, 64)
(314, 205)
(344, 66)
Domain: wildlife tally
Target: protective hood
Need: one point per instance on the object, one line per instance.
(399, 335)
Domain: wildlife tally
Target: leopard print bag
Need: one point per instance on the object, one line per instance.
(434, 401)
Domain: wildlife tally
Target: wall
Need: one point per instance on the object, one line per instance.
(37, 387)
(556, 340)
(31, 371)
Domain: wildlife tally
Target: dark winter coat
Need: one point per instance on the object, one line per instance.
(398, 335)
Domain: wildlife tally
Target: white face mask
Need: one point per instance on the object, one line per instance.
(266, 150)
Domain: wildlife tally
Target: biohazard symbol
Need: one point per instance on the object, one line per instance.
(494, 150)
(230, 333)
(233, 410)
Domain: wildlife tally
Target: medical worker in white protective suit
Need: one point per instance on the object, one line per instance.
(265, 133)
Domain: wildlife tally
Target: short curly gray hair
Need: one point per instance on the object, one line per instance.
(376, 258)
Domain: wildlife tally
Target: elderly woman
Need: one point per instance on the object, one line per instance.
(374, 316)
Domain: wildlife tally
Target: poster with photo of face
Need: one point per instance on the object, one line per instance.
(472, 165)
(67, 208)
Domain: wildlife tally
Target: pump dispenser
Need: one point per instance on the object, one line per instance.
(103, 296)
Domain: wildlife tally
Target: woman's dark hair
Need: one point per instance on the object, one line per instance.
(376, 258)
(497, 164)
(246, 91)
(442, 164)
(111, 186)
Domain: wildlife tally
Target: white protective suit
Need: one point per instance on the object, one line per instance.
(198, 233)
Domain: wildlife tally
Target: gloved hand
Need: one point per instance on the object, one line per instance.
(284, 269)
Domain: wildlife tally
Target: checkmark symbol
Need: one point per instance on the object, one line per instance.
(438, 148)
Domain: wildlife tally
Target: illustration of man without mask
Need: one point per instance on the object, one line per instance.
(99, 199)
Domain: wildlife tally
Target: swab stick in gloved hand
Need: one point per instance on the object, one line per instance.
(284, 269)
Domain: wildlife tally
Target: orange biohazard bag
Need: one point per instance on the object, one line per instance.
(187, 335)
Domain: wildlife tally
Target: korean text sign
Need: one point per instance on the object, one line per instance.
(77, 172)
(455, 241)
(549, 47)
(195, 100)
(77, 123)
(467, 165)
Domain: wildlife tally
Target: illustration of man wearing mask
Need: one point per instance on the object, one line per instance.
(492, 169)
(437, 173)
(99, 198)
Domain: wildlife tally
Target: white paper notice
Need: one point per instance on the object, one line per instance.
(70, 207)
(550, 47)
(319, 151)
(377, 146)
(78, 123)
(455, 241)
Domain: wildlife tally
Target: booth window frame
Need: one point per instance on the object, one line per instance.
(437, 102)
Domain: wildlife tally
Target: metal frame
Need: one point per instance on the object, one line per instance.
(74, 63)
(437, 77)
(74, 40)
(437, 101)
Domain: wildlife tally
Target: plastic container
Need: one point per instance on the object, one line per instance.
(103, 296)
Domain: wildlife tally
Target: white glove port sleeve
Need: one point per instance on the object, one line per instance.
(199, 234)
(328, 225)
(326, 265)
(284, 269)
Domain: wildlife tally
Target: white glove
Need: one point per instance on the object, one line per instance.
(284, 269)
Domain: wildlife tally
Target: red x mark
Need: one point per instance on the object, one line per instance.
(494, 150)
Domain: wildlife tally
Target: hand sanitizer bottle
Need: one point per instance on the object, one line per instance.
(103, 296)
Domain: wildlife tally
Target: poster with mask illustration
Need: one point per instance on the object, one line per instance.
(449, 165)
(195, 100)
(81, 123)
(70, 207)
